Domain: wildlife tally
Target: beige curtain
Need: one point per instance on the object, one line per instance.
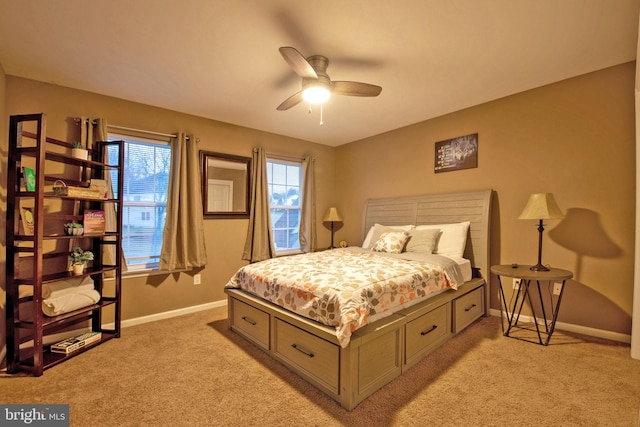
(109, 252)
(259, 244)
(183, 244)
(308, 208)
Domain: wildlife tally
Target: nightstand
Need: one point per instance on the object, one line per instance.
(530, 285)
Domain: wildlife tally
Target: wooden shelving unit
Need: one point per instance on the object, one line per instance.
(41, 258)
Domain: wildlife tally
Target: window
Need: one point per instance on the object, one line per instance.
(285, 179)
(147, 163)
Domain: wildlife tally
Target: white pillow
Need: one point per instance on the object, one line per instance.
(376, 230)
(422, 241)
(391, 241)
(452, 240)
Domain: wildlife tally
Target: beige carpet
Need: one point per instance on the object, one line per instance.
(192, 371)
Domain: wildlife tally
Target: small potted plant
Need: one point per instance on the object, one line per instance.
(79, 258)
(73, 229)
(78, 151)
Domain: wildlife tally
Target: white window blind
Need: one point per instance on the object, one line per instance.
(147, 163)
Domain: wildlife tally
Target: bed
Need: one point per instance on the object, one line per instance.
(316, 313)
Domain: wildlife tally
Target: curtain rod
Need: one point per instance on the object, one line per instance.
(284, 157)
(143, 131)
(168, 135)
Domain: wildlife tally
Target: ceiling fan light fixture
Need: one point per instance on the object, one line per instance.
(316, 94)
(317, 87)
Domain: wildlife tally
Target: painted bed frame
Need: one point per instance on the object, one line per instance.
(383, 350)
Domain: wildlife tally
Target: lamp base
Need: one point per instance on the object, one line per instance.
(539, 267)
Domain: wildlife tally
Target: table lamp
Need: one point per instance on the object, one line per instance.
(541, 206)
(332, 216)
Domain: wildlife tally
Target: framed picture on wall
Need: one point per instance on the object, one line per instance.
(457, 153)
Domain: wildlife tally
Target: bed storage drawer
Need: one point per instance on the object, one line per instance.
(426, 333)
(313, 357)
(251, 322)
(468, 308)
(378, 350)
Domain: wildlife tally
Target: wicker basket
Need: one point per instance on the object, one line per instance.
(62, 189)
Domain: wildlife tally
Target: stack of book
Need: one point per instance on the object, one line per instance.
(76, 343)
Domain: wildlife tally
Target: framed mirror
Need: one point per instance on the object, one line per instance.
(225, 185)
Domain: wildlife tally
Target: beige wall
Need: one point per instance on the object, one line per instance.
(146, 295)
(574, 138)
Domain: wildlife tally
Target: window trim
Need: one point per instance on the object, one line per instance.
(298, 163)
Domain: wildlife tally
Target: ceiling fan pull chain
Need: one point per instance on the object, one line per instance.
(311, 110)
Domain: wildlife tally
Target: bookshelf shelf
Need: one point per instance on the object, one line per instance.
(50, 359)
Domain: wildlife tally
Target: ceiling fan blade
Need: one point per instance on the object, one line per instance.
(355, 89)
(298, 62)
(291, 101)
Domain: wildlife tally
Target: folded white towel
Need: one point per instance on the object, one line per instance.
(66, 287)
(69, 302)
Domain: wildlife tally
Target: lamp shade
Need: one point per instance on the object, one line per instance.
(332, 215)
(541, 206)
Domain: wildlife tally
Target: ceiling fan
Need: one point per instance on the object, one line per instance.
(317, 87)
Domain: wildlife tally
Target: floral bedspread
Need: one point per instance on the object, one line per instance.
(346, 288)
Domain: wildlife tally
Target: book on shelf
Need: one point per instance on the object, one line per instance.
(94, 222)
(26, 218)
(29, 179)
(72, 344)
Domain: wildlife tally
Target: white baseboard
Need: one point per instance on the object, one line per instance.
(584, 330)
(569, 327)
(170, 314)
(136, 321)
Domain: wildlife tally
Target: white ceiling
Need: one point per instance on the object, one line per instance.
(219, 58)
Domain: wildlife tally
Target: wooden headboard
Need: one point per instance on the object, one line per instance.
(440, 209)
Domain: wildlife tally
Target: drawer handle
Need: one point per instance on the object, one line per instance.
(306, 353)
(433, 328)
(471, 307)
(252, 322)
